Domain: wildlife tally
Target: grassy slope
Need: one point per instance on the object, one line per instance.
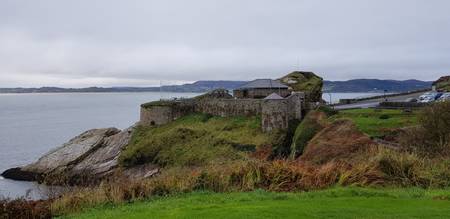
(195, 140)
(369, 121)
(304, 132)
(331, 203)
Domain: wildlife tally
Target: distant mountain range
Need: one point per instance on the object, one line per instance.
(375, 85)
(358, 85)
(199, 86)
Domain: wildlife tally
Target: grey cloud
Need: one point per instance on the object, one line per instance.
(109, 43)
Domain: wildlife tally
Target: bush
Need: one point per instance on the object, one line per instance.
(432, 136)
(327, 110)
(436, 121)
(385, 116)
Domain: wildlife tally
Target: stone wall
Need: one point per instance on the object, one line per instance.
(156, 115)
(297, 104)
(165, 113)
(275, 114)
(229, 107)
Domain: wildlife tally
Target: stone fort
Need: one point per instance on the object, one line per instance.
(272, 101)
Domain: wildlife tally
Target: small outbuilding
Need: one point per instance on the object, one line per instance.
(261, 88)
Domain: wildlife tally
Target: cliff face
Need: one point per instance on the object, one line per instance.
(91, 156)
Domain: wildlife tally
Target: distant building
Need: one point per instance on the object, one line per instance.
(261, 88)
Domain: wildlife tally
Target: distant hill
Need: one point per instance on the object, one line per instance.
(375, 85)
(199, 86)
(358, 85)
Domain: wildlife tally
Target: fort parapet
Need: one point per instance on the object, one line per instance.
(275, 113)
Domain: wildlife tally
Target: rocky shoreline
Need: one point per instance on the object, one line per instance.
(88, 158)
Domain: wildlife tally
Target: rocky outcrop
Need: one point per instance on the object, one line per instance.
(307, 82)
(71, 152)
(443, 84)
(87, 158)
(102, 161)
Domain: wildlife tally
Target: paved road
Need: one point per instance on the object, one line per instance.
(376, 102)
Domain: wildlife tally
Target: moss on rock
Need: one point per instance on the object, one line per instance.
(307, 82)
(443, 83)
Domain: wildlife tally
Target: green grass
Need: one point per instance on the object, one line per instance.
(444, 85)
(377, 122)
(158, 103)
(331, 203)
(195, 140)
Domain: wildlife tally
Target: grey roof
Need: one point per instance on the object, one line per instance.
(263, 83)
(274, 96)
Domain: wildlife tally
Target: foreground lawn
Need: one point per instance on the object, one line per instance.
(376, 122)
(332, 203)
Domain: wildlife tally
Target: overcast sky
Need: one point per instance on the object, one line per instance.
(82, 43)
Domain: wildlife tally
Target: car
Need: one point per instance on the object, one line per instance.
(444, 97)
(429, 97)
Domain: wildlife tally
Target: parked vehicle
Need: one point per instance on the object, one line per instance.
(429, 97)
(444, 97)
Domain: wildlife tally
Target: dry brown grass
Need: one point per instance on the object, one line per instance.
(24, 209)
(338, 141)
(377, 166)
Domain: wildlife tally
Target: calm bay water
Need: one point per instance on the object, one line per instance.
(32, 124)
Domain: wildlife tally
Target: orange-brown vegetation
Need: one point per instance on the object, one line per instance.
(338, 141)
(24, 209)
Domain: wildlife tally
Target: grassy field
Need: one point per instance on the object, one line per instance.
(331, 203)
(376, 122)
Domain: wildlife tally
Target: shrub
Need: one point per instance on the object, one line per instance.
(385, 116)
(436, 121)
(432, 136)
(327, 110)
